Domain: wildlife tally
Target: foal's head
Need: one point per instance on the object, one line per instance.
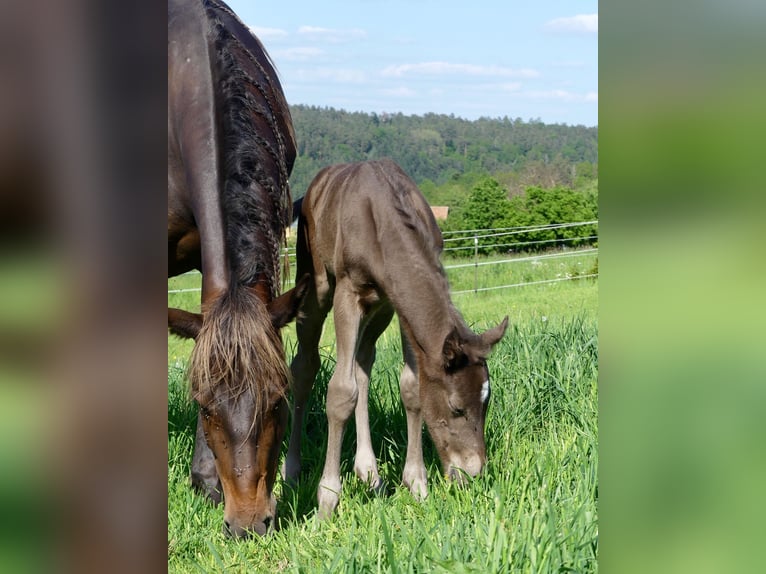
(454, 399)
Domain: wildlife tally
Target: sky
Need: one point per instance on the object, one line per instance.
(494, 58)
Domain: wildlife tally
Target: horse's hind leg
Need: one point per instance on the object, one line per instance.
(414, 476)
(342, 392)
(204, 476)
(365, 464)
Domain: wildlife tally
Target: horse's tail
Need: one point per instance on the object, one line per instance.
(237, 344)
(258, 151)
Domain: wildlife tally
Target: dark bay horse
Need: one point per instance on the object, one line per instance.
(367, 237)
(231, 148)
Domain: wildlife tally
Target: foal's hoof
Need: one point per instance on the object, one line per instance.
(328, 498)
(418, 489)
(378, 487)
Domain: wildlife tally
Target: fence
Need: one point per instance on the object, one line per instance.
(474, 235)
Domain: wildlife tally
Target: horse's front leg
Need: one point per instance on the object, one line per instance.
(342, 393)
(204, 476)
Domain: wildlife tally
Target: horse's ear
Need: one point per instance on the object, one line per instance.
(284, 308)
(183, 323)
(492, 336)
(453, 352)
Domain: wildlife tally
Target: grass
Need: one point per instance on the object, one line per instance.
(533, 510)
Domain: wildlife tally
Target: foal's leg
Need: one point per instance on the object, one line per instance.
(365, 465)
(342, 393)
(414, 475)
(304, 368)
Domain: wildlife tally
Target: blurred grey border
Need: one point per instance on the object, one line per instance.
(682, 314)
(82, 333)
(83, 392)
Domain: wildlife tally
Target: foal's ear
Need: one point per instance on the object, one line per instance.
(183, 323)
(284, 308)
(453, 351)
(492, 336)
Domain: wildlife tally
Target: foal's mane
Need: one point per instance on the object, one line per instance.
(419, 221)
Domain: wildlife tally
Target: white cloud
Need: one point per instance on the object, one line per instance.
(332, 35)
(582, 23)
(568, 64)
(562, 96)
(400, 92)
(346, 76)
(298, 54)
(268, 33)
(511, 86)
(447, 68)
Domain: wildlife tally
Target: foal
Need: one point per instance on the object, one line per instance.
(367, 237)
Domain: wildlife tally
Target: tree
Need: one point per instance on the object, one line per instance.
(487, 206)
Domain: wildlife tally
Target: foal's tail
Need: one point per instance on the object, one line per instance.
(297, 206)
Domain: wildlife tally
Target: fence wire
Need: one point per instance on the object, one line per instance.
(486, 233)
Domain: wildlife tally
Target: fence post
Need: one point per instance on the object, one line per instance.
(475, 264)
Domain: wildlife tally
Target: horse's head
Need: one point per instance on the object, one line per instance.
(454, 399)
(244, 424)
(245, 438)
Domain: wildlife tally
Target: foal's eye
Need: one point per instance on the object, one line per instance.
(457, 412)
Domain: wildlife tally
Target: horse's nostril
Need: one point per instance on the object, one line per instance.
(267, 522)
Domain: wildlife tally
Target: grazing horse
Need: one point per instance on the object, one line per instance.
(231, 148)
(367, 237)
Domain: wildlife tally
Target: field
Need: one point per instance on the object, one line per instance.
(533, 510)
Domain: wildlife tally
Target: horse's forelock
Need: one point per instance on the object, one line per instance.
(238, 347)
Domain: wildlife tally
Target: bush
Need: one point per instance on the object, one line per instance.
(488, 207)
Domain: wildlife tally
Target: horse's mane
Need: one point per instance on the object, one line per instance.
(257, 153)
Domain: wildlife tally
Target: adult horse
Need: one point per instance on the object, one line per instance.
(367, 237)
(231, 147)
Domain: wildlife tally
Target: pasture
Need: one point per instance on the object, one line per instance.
(533, 510)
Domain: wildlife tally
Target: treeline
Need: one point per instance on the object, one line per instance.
(491, 173)
(435, 149)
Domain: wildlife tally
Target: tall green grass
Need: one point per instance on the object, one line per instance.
(534, 509)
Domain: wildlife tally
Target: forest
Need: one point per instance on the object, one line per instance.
(491, 173)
